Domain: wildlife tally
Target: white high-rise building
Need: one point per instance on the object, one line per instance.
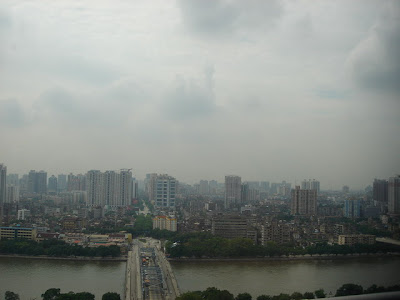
(95, 195)
(310, 185)
(233, 189)
(165, 191)
(110, 188)
(125, 187)
(394, 195)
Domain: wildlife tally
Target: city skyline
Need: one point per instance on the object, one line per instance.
(267, 90)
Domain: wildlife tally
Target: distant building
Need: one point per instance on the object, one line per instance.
(310, 185)
(233, 190)
(165, 222)
(345, 189)
(3, 186)
(233, 227)
(12, 194)
(17, 233)
(380, 190)
(165, 191)
(352, 208)
(62, 183)
(394, 195)
(13, 179)
(352, 239)
(37, 182)
(279, 233)
(23, 214)
(204, 188)
(52, 186)
(304, 202)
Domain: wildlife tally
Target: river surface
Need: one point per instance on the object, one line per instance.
(30, 277)
(275, 277)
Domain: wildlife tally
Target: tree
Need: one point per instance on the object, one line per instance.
(51, 294)
(264, 297)
(296, 296)
(190, 296)
(349, 289)
(11, 296)
(309, 295)
(111, 296)
(243, 296)
(213, 293)
(320, 293)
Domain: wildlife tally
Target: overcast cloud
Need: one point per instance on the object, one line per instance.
(268, 90)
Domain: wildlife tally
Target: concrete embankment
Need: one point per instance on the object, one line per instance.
(77, 258)
(291, 257)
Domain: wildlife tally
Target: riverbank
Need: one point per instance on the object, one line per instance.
(290, 257)
(76, 258)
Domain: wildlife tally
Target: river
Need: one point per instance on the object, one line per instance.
(30, 277)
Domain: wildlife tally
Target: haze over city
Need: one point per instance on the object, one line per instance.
(267, 90)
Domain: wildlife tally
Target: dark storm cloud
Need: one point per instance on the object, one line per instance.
(376, 59)
(12, 114)
(225, 17)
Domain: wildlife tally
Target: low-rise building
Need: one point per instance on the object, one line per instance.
(165, 222)
(17, 233)
(352, 239)
(279, 233)
(233, 227)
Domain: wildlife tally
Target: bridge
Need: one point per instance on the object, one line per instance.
(148, 273)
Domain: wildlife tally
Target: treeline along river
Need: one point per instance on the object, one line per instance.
(32, 277)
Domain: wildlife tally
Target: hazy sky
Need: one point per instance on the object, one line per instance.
(268, 90)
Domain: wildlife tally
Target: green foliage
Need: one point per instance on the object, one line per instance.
(190, 296)
(320, 293)
(349, 289)
(243, 296)
(264, 297)
(281, 296)
(111, 296)
(11, 296)
(51, 294)
(309, 295)
(296, 296)
(55, 248)
(201, 244)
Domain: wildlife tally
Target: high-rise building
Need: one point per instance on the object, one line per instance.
(150, 186)
(125, 192)
(37, 182)
(12, 194)
(394, 195)
(62, 183)
(352, 208)
(304, 202)
(52, 187)
(264, 185)
(3, 187)
(110, 188)
(233, 190)
(94, 180)
(13, 179)
(204, 188)
(76, 182)
(380, 190)
(165, 191)
(310, 185)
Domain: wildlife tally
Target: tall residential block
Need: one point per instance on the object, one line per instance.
(352, 208)
(394, 195)
(304, 202)
(233, 190)
(110, 188)
(94, 186)
(310, 185)
(37, 182)
(52, 186)
(165, 192)
(3, 187)
(380, 190)
(62, 183)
